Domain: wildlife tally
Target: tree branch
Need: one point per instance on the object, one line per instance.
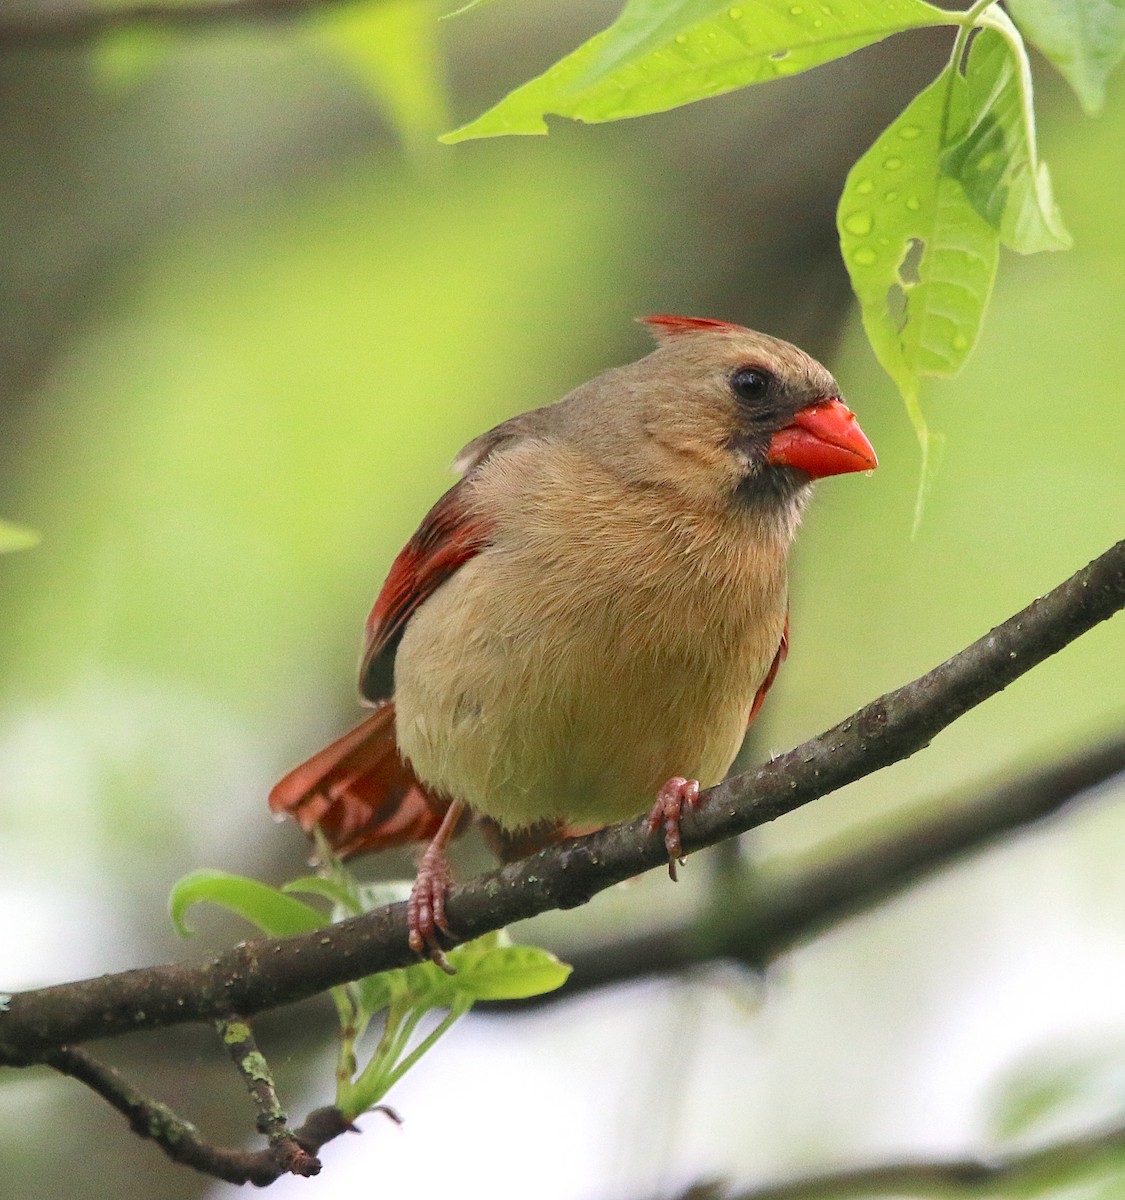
(179, 1139)
(285, 1147)
(786, 909)
(265, 973)
(78, 26)
(1032, 1170)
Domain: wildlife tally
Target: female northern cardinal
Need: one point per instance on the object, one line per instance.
(592, 615)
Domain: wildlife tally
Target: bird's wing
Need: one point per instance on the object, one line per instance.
(771, 674)
(450, 534)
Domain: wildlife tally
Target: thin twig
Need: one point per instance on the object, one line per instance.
(179, 1139)
(263, 974)
(291, 1157)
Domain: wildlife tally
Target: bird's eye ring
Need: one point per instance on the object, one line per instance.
(750, 383)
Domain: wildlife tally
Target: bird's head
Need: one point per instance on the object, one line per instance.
(724, 410)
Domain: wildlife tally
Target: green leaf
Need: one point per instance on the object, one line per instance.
(506, 972)
(392, 48)
(806, 34)
(996, 160)
(15, 537)
(657, 56)
(275, 914)
(1085, 39)
(375, 992)
(1063, 1086)
(921, 258)
(344, 899)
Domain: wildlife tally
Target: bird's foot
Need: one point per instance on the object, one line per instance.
(667, 813)
(425, 910)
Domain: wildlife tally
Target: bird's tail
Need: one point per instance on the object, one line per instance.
(360, 791)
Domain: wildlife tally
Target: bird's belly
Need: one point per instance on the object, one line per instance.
(537, 722)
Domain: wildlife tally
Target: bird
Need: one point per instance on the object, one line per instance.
(586, 622)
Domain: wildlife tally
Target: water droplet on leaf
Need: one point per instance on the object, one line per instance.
(865, 187)
(865, 256)
(892, 164)
(909, 132)
(860, 223)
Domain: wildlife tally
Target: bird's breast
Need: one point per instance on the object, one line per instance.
(604, 641)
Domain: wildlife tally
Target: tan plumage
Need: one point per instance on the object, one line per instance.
(598, 603)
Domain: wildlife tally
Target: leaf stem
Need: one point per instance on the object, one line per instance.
(968, 21)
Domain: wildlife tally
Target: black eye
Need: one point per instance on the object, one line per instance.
(751, 383)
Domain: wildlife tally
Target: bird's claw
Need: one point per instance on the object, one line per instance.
(425, 910)
(676, 795)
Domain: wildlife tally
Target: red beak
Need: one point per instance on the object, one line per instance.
(823, 439)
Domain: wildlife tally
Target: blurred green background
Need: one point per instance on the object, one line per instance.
(250, 311)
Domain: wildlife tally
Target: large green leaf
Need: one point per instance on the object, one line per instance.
(275, 914)
(997, 161)
(1085, 39)
(660, 55)
(921, 258)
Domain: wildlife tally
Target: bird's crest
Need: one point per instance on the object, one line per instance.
(664, 328)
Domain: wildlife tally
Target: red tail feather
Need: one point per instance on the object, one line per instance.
(360, 791)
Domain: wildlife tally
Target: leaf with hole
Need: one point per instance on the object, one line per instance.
(657, 56)
(921, 258)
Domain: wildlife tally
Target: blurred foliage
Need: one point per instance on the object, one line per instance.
(489, 968)
(925, 210)
(254, 333)
(15, 537)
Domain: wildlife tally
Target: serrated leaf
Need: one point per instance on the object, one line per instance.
(658, 56)
(996, 161)
(275, 914)
(1085, 39)
(921, 258)
(392, 48)
(16, 537)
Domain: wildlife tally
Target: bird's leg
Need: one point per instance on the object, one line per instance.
(425, 910)
(667, 813)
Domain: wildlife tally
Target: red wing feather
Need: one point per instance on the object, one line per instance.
(771, 674)
(447, 538)
(360, 791)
